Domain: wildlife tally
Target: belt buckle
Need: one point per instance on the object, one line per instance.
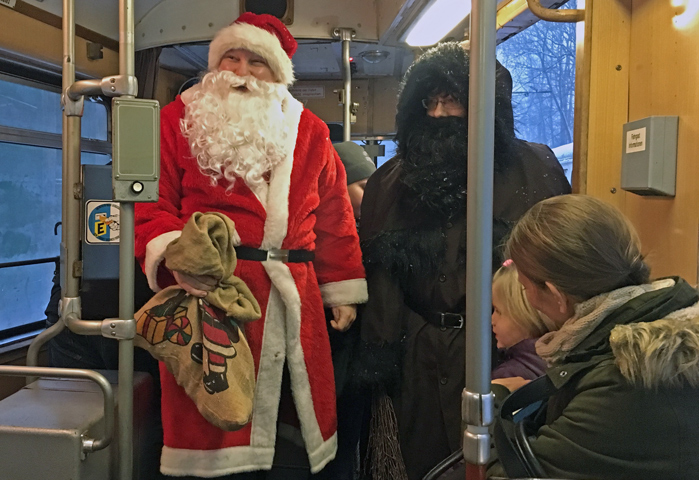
(280, 255)
(442, 316)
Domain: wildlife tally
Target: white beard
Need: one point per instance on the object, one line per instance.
(233, 133)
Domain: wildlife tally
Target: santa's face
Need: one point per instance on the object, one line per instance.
(236, 127)
(246, 63)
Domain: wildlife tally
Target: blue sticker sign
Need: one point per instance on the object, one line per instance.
(101, 222)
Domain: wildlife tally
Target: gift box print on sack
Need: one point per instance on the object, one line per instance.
(166, 322)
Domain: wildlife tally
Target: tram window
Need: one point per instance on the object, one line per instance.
(33, 108)
(24, 295)
(389, 152)
(95, 158)
(30, 195)
(541, 60)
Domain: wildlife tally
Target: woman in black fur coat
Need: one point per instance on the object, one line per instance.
(413, 234)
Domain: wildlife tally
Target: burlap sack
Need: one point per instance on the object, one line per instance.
(200, 340)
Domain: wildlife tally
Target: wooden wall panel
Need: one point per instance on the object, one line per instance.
(329, 108)
(377, 100)
(25, 36)
(168, 85)
(608, 66)
(641, 65)
(665, 68)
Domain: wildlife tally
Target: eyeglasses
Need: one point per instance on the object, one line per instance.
(449, 103)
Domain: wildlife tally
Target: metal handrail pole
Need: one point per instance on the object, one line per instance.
(477, 397)
(88, 444)
(38, 342)
(70, 270)
(126, 267)
(347, 78)
(345, 35)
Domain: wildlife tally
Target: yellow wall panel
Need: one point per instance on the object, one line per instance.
(377, 104)
(641, 65)
(664, 65)
(25, 36)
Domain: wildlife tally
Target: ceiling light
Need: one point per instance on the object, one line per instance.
(438, 19)
(374, 56)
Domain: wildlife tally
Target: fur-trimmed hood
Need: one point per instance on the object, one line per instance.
(663, 353)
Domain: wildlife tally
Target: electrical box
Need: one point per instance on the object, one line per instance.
(136, 149)
(649, 158)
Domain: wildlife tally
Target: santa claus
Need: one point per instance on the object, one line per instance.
(240, 144)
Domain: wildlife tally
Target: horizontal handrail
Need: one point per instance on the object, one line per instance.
(36, 261)
(88, 444)
(555, 15)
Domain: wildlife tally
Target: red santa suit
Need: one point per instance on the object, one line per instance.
(304, 206)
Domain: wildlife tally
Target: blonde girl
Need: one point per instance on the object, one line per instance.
(516, 326)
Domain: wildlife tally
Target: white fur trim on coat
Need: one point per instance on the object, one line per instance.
(155, 252)
(215, 463)
(347, 292)
(284, 307)
(256, 40)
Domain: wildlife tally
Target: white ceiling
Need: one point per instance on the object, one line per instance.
(313, 59)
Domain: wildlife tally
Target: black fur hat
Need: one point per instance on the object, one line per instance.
(445, 69)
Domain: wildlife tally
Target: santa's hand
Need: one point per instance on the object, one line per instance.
(197, 285)
(344, 317)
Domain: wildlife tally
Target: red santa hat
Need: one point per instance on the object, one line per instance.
(264, 35)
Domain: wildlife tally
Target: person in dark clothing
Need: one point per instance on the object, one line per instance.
(359, 167)
(413, 235)
(516, 326)
(99, 300)
(352, 401)
(622, 384)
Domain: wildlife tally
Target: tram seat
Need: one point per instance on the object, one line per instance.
(41, 427)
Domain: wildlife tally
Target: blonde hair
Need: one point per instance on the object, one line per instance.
(580, 244)
(515, 304)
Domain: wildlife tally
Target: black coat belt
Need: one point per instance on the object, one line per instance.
(445, 320)
(285, 256)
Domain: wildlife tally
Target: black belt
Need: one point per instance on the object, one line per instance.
(285, 256)
(445, 320)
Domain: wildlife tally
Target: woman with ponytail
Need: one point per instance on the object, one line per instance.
(621, 392)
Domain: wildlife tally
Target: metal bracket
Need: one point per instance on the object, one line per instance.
(77, 269)
(477, 412)
(344, 34)
(476, 447)
(114, 86)
(78, 191)
(119, 329)
(69, 305)
(477, 409)
(73, 108)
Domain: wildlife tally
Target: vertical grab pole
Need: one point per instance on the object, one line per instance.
(477, 399)
(346, 34)
(126, 268)
(70, 236)
(347, 77)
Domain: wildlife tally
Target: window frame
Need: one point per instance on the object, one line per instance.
(18, 335)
